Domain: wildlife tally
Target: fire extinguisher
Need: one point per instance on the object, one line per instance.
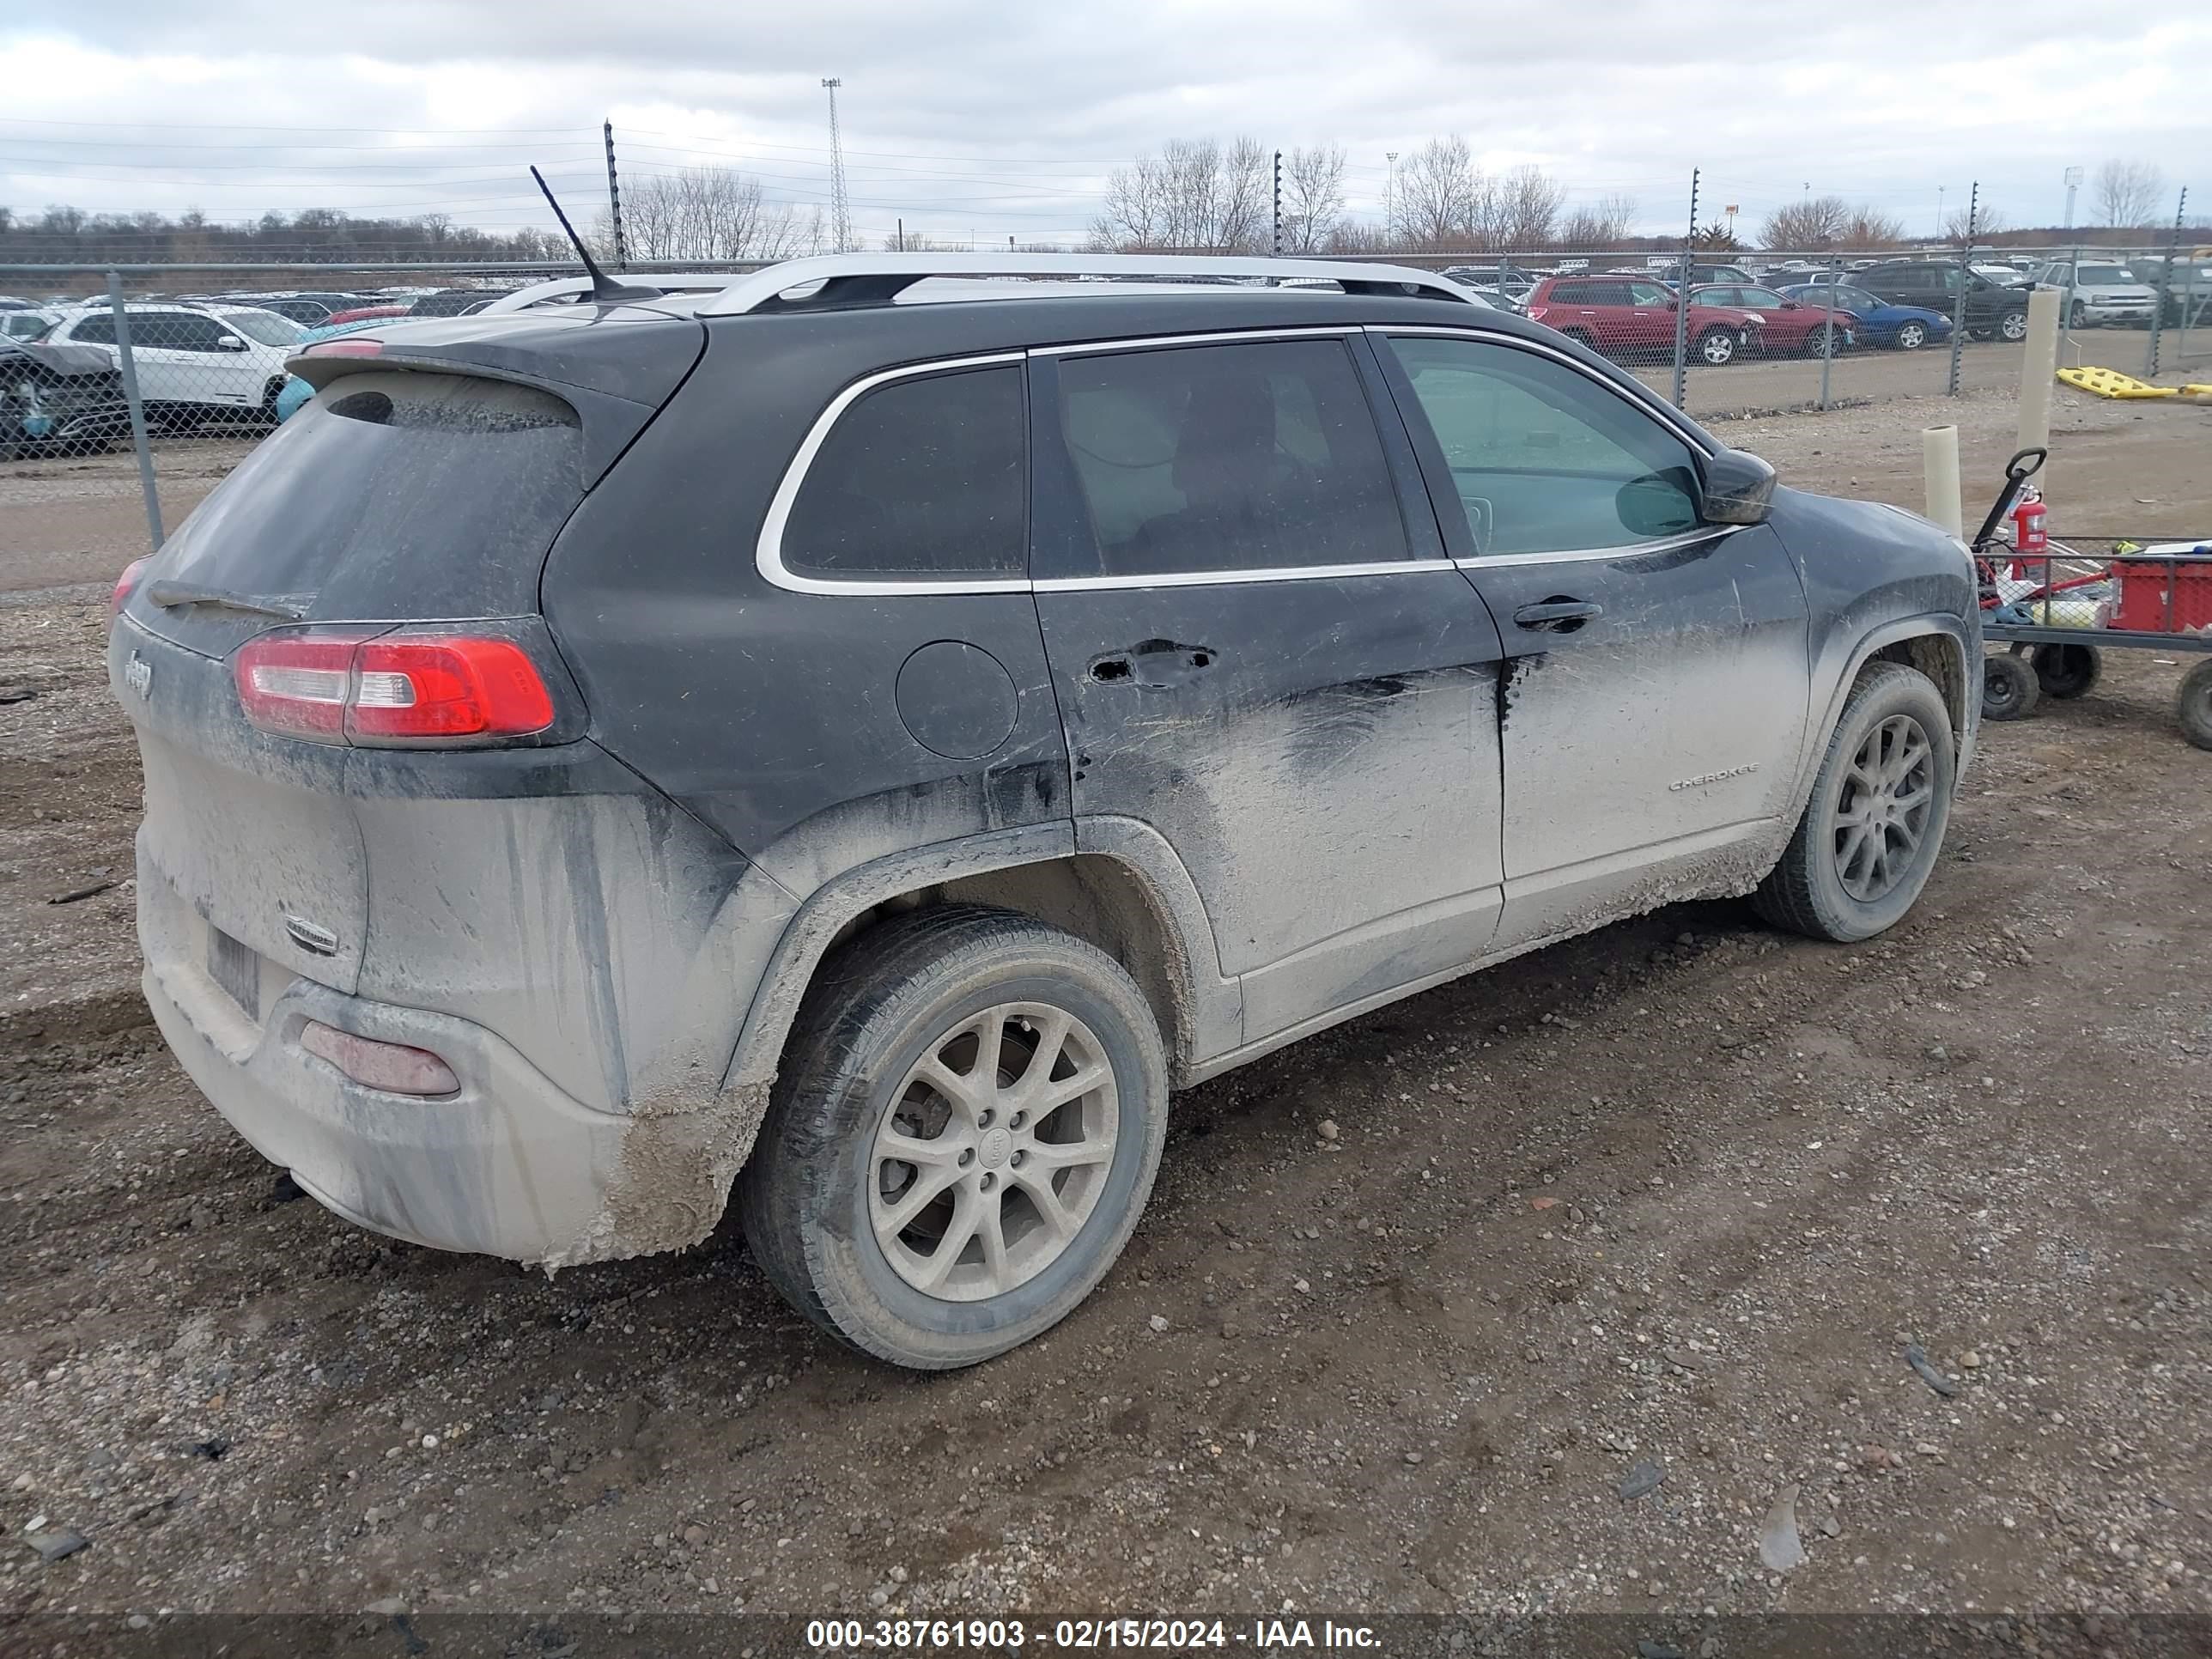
(2028, 531)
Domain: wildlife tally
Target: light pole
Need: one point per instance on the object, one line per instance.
(2073, 184)
(1940, 189)
(1390, 195)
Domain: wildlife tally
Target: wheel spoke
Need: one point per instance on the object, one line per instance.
(1050, 1155)
(1051, 1039)
(1847, 855)
(913, 1149)
(967, 1213)
(959, 1090)
(1058, 1219)
(1054, 1096)
(991, 1228)
(927, 1188)
(990, 1039)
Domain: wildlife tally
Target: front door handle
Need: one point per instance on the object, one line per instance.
(1557, 615)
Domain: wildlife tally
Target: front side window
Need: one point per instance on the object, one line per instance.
(1259, 456)
(920, 480)
(176, 331)
(1544, 458)
(97, 330)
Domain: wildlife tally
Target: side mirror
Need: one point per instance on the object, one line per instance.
(229, 343)
(1791, 305)
(1738, 489)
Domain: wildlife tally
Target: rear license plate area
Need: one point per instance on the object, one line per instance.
(236, 967)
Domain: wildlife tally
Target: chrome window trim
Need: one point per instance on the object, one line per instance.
(1297, 573)
(1711, 533)
(768, 552)
(1224, 336)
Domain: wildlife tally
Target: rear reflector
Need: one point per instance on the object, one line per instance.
(391, 1067)
(125, 585)
(392, 687)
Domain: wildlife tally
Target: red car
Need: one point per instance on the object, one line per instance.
(1791, 324)
(364, 313)
(1629, 316)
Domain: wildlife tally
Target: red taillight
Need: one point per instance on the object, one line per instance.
(394, 1067)
(124, 585)
(392, 687)
(1537, 312)
(345, 349)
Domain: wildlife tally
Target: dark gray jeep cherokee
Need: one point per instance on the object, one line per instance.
(870, 752)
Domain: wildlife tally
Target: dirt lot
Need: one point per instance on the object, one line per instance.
(1678, 1194)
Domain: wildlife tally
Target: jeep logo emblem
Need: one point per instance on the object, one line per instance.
(139, 675)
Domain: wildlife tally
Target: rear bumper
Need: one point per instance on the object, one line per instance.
(511, 1165)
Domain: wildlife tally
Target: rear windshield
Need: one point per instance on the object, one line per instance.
(392, 495)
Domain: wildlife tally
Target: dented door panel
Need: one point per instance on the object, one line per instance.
(1322, 754)
(1650, 748)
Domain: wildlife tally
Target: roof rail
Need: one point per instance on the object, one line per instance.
(564, 288)
(874, 279)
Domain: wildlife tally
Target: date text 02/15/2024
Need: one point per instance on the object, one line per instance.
(1000, 1635)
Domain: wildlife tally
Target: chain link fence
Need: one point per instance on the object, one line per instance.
(188, 357)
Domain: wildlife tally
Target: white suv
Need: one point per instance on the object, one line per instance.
(2100, 292)
(194, 361)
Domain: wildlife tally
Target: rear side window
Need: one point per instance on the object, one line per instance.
(1227, 457)
(94, 331)
(391, 494)
(920, 479)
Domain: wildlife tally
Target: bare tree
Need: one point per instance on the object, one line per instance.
(1870, 229)
(1313, 197)
(1987, 222)
(707, 213)
(2127, 194)
(1195, 194)
(1528, 212)
(1814, 221)
(1439, 195)
(1603, 223)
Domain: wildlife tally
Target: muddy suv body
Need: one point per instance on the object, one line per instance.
(874, 751)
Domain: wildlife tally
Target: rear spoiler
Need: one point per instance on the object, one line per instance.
(615, 374)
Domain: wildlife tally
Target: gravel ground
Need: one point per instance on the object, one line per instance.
(1418, 1308)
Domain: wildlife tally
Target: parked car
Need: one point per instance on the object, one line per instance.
(1879, 322)
(297, 391)
(1634, 315)
(1785, 324)
(26, 323)
(452, 301)
(1993, 309)
(1510, 282)
(2100, 291)
(2186, 282)
(193, 362)
(462, 895)
(364, 313)
(308, 314)
(58, 399)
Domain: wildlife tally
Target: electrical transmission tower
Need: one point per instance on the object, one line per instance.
(841, 206)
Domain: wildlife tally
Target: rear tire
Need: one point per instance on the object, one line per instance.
(2013, 325)
(1716, 347)
(2065, 672)
(2009, 688)
(1873, 828)
(2193, 703)
(883, 1059)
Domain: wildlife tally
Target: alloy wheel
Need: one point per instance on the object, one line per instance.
(1881, 813)
(994, 1151)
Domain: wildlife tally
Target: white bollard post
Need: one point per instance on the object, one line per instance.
(1939, 452)
(2038, 370)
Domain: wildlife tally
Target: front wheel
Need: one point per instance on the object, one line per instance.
(1874, 824)
(1717, 346)
(964, 1134)
(1910, 336)
(2077, 315)
(2194, 704)
(2014, 325)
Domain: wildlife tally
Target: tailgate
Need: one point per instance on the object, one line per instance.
(251, 837)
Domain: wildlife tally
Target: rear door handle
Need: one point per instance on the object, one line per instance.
(1557, 615)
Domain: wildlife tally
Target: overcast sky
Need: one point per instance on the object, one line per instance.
(1000, 117)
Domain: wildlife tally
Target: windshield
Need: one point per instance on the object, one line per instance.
(265, 327)
(2104, 274)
